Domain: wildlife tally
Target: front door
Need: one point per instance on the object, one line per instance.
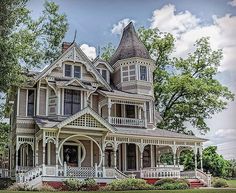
(70, 155)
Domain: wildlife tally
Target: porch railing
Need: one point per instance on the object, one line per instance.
(115, 173)
(122, 121)
(160, 172)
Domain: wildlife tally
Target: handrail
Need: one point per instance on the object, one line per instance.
(127, 121)
(160, 172)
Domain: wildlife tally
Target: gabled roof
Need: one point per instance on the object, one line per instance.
(89, 66)
(89, 111)
(98, 60)
(130, 46)
(74, 80)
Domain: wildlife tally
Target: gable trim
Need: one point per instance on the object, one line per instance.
(87, 63)
(90, 111)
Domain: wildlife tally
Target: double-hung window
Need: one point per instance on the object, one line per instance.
(68, 70)
(72, 102)
(143, 73)
(72, 71)
(30, 107)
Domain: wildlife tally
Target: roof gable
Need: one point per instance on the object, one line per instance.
(75, 54)
(86, 118)
(98, 61)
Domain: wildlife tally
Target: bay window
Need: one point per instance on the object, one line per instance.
(143, 73)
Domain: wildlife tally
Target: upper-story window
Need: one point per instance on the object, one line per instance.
(30, 105)
(143, 73)
(68, 70)
(72, 71)
(128, 73)
(104, 73)
(72, 101)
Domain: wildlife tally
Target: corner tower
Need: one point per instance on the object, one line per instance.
(133, 66)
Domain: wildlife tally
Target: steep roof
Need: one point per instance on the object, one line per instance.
(130, 46)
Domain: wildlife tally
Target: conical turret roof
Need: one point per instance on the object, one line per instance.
(130, 46)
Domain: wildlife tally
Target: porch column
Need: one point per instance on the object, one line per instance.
(17, 150)
(115, 150)
(174, 154)
(36, 153)
(44, 144)
(57, 155)
(109, 110)
(103, 156)
(145, 114)
(152, 157)
(139, 112)
(195, 158)
(201, 164)
(141, 148)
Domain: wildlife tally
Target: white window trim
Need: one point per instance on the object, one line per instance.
(72, 70)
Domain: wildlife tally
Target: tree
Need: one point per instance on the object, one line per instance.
(215, 163)
(107, 52)
(4, 130)
(27, 43)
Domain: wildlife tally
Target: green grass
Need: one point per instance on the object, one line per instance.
(231, 183)
(155, 191)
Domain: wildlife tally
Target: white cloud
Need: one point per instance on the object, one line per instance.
(232, 3)
(187, 28)
(118, 28)
(89, 51)
(166, 20)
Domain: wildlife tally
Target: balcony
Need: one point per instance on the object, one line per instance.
(122, 121)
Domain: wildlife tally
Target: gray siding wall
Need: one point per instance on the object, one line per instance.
(42, 103)
(22, 102)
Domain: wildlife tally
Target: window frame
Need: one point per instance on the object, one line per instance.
(73, 70)
(71, 102)
(140, 75)
(100, 70)
(27, 103)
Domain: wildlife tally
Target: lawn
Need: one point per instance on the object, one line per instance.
(155, 191)
(231, 183)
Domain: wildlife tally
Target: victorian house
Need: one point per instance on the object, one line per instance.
(97, 119)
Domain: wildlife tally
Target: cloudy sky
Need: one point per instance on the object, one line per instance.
(100, 22)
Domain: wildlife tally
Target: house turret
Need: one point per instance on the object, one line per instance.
(133, 66)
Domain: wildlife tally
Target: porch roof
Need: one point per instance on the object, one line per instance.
(155, 133)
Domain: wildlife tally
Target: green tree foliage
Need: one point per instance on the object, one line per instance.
(107, 52)
(187, 160)
(27, 43)
(215, 163)
(185, 89)
(4, 130)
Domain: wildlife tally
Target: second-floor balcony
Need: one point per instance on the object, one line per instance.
(122, 121)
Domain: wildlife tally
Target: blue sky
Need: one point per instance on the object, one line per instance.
(99, 22)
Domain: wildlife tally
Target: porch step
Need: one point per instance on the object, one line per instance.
(196, 183)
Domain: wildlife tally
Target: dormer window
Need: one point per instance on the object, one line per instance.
(104, 73)
(143, 73)
(72, 71)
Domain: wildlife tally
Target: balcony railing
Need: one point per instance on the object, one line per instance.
(122, 121)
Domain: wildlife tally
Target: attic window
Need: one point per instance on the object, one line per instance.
(77, 71)
(72, 71)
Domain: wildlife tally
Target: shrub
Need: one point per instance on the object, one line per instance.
(129, 184)
(172, 184)
(21, 187)
(5, 183)
(46, 188)
(89, 184)
(164, 180)
(73, 184)
(219, 183)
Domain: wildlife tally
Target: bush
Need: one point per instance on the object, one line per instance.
(21, 187)
(73, 184)
(219, 183)
(89, 184)
(172, 184)
(46, 188)
(129, 184)
(5, 183)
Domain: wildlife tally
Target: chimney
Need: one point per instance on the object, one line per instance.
(65, 46)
